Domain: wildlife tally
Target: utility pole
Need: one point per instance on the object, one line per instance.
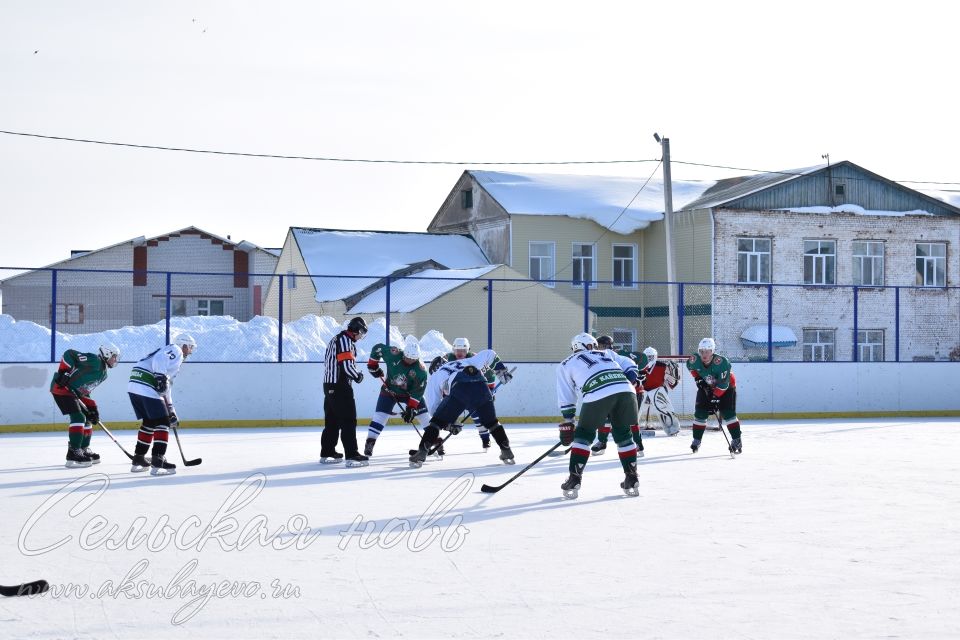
(668, 233)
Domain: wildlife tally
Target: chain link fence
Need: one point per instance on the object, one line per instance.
(240, 317)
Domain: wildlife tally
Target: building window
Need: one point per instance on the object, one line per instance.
(291, 279)
(818, 345)
(209, 307)
(753, 260)
(819, 261)
(868, 263)
(870, 345)
(624, 265)
(624, 339)
(542, 261)
(931, 264)
(466, 198)
(839, 189)
(68, 313)
(583, 255)
(178, 307)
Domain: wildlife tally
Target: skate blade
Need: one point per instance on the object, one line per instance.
(633, 492)
(95, 461)
(597, 453)
(330, 460)
(351, 464)
(415, 465)
(555, 454)
(70, 464)
(571, 494)
(138, 469)
(156, 471)
(639, 454)
(508, 461)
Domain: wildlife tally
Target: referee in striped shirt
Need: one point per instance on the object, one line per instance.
(339, 406)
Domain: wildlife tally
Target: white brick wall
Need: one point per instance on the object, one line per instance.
(929, 324)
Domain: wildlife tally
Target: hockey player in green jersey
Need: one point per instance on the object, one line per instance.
(76, 378)
(461, 350)
(716, 393)
(403, 383)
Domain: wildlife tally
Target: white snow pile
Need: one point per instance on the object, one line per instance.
(219, 339)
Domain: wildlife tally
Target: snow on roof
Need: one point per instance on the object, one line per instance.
(598, 198)
(377, 254)
(756, 335)
(409, 294)
(857, 209)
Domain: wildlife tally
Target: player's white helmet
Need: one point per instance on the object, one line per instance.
(461, 344)
(411, 350)
(707, 344)
(109, 350)
(651, 354)
(185, 340)
(583, 342)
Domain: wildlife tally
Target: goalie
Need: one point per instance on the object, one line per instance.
(659, 378)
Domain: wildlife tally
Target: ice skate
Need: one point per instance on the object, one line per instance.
(139, 464)
(695, 445)
(357, 460)
(160, 467)
(76, 458)
(331, 458)
(485, 439)
(736, 446)
(94, 457)
(506, 455)
(368, 446)
(571, 488)
(631, 484)
(599, 448)
(417, 457)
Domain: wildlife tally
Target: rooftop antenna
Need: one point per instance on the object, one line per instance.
(826, 157)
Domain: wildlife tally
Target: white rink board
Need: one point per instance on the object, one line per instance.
(292, 391)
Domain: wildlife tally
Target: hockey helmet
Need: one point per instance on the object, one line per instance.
(185, 340)
(707, 344)
(583, 342)
(411, 351)
(109, 351)
(651, 354)
(605, 342)
(461, 344)
(358, 327)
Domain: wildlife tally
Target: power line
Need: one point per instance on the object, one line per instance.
(315, 158)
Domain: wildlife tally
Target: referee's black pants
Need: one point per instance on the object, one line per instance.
(340, 420)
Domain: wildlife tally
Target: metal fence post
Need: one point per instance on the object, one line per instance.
(386, 337)
(489, 314)
(680, 318)
(770, 323)
(856, 298)
(280, 321)
(53, 316)
(896, 322)
(169, 305)
(586, 306)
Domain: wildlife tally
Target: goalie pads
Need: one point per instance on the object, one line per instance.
(659, 401)
(671, 377)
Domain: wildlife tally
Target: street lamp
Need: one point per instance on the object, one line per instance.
(668, 239)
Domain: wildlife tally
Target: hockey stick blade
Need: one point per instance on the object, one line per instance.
(726, 435)
(26, 589)
(186, 463)
(491, 489)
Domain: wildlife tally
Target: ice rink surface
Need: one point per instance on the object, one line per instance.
(820, 529)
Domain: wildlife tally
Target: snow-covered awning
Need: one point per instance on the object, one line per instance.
(756, 336)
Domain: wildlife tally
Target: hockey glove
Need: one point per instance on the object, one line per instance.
(376, 373)
(61, 378)
(503, 375)
(454, 428)
(160, 383)
(92, 414)
(714, 402)
(435, 364)
(174, 421)
(566, 433)
(408, 414)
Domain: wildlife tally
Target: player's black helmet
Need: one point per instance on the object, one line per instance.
(605, 342)
(358, 327)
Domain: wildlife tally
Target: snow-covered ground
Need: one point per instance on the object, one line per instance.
(821, 529)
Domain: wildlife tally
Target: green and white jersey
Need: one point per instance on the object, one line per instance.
(593, 375)
(401, 378)
(143, 377)
(85, 372)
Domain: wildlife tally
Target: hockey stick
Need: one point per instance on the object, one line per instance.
(726, 435)
(25, 589)
(115, 441)
(186, 463)
(101, 425)
(434, 449)
(489, 489)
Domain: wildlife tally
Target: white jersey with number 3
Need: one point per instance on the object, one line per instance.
(592, 374)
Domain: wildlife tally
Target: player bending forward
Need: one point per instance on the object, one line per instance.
(716, 393)
(461, 350)
(403, 384)
(605, 391)
(659, 378)
(458, 386)
(76, 378)
(151, 394)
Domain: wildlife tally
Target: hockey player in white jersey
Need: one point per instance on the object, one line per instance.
(597, 378)
(457, 386)
(151, 394)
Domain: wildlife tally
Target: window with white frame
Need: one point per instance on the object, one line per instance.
(68, 313)
(753, 260)
(624, 339)
(178, 307)
(867, 263)
(625, 265)
(870, 345)
(818, 345)
(819, 261)
(583, 254)
(931, 264)
(209, 307)
(542, 261)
